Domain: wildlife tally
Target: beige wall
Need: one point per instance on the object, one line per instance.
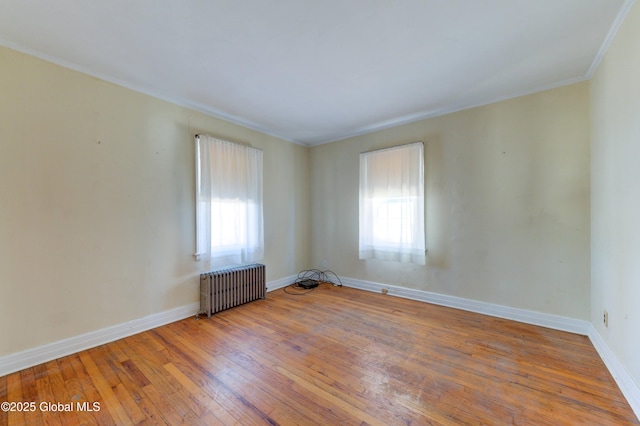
(507, 209)
(615, 206)
(97, 203)
(97, 216)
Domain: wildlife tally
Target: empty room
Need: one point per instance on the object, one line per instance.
(303, 212)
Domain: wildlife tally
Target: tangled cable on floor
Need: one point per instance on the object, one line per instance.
(315, 275)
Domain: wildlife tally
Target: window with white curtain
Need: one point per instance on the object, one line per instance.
(392, 204)
(229, 224)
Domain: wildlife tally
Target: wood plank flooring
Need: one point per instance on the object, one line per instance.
(334, 356)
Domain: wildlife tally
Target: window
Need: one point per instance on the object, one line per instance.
(392, 204)
(229, 202)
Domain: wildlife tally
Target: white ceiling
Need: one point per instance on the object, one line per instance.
(314, 71)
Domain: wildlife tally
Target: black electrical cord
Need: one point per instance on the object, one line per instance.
(315, 275)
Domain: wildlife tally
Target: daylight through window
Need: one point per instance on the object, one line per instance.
(229, 222)
(392, 204)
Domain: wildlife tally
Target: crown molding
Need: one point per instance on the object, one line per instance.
(611, 35)
(195, 106)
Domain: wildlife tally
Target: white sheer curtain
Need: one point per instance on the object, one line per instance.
(392, 204)
(229, 222)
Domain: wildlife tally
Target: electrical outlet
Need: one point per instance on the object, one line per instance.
(605, 318)
(324, 264)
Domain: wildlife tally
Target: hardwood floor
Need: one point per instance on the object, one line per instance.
(332, 356)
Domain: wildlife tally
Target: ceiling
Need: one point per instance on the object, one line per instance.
(314, 71)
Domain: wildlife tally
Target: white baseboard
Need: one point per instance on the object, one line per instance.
(30, 357)
(280, 283)
(522, 315)
(628, 387)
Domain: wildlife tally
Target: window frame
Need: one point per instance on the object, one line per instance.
(386, 176)
(229, 188)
